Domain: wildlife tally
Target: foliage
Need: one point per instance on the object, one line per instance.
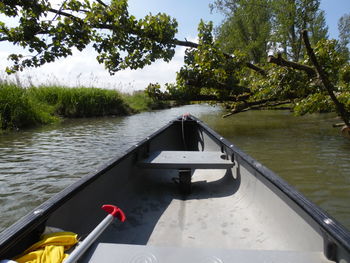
(81, 102)
(344, 33)
(309, 95)
(207, 69)
(121, 40)
(317, 102)
(154, 91)
(257, 26)
(18, 109)
(281, 83)
(247, 27)
(331, 58)
(26, 107)
(140, 101)
(293, 16)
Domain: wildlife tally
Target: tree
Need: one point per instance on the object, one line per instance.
(320, 84)
(344, 33)
(247, 27)
(290, 18)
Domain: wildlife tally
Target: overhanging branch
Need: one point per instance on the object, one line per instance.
(282, 62)
(101, 3)
(325, 80)
(246, 106)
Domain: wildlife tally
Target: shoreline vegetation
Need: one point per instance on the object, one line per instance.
(33, 106)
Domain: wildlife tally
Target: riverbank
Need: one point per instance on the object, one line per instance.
(27, 107)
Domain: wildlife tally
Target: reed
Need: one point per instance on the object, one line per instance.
(140, 101)
(82, 101)
(23, 107)
(18, 110)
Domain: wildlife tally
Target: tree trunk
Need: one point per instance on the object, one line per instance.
(325, 81)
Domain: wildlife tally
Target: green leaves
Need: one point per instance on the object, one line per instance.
(207, 71)
(121, 40)
(247, 27)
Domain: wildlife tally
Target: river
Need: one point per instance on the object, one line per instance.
(306, 151)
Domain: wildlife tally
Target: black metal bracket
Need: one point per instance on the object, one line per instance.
(185, 176)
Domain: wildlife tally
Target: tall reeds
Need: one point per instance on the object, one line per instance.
(81, 102)
(18, 109)
(23, 107)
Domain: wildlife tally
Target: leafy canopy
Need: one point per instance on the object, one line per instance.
(121, 40)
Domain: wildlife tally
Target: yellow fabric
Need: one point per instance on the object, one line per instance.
(50, 249)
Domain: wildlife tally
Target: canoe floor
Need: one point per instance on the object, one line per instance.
(220, 213)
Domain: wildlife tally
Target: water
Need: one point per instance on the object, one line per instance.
(305, 151)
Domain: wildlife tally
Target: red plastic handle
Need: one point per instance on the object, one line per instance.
(115, 212)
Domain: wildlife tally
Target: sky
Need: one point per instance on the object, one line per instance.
(83, 69)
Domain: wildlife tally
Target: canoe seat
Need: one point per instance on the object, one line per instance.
(186, 162)
(110, 253)
(186, 159)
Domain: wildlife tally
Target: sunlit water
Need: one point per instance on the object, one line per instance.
(305, 151)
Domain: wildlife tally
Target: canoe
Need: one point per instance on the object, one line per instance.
(189, 195)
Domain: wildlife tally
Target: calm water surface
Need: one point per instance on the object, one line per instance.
(305, 151)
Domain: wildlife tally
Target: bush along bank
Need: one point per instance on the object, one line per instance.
(27, 107)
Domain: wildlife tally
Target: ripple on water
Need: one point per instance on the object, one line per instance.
(35, 164)
(305, 151)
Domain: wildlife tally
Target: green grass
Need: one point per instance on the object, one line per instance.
(82, 102)
(18, 110)
(140, 101)
(25, 107)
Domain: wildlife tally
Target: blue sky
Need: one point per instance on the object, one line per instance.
(187, 12)
(82, 68)
(334, 10)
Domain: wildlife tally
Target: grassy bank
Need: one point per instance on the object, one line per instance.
(18, 109)
(25, 107)
(81, 102)
(140, 101)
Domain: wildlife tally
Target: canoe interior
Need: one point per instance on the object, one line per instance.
(233, 211)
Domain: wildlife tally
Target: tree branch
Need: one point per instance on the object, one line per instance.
(101, 3)
(325, 81)
(282, 62)
(174, 41)
(256, 68)
(59, 12)
(245, 106)
(195, 45)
